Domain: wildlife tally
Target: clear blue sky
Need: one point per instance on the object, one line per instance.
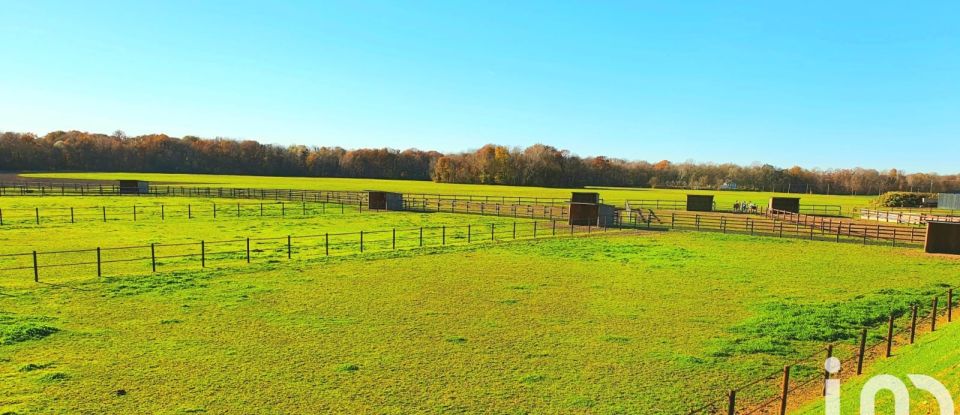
(815, 83)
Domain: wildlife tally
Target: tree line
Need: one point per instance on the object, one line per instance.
(537, 165)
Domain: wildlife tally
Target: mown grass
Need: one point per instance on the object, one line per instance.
(613, 195)
(625, 324)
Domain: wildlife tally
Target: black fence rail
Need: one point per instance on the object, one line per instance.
(676, 204)
(446, 199)
(840, 227)
(493, 208)
(101, 189)
(804, 379)
(99, 261)
(139, 212)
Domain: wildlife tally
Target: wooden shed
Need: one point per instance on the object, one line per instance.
(586, 210)
(379, 200)
(942, 238)
(700, 203)
(785, 204)
(133, 187)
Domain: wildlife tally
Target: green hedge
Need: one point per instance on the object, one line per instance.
(902, 199)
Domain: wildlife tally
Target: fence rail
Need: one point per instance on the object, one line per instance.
(904, 217)
(165, 211)
(804, 380)
(848, 228)
(677, 204)
(161, 255)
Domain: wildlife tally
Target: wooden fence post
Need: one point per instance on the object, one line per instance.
(162, 214)
(99, 266)
(71, 215)
(826, 373)
(37, 210)
(421, 236)
(290, 248)
(36, 269)
(732, 403)
(248, 250)
(514, 230)
(203, 254)
(104, 214)
(785, 390)
(153, 257)
(326, 243)
(950, 305)
(394, 238)
(444, 235)
(933, 315)
(863, 349)
(890, 337)
(534, 229)
(913, 325)
(189, 211)
(361, 241)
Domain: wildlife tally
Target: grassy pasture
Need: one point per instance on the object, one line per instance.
(612, 195)
(639, 323)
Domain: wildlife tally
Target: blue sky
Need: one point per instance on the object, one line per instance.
(815, 83)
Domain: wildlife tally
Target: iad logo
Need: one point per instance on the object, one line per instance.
(876, 384)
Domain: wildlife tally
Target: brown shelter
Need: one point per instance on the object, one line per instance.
(700, 203)
(942, 238)
(586, 210)
(133, 187)
(786, 204)
(379, 200)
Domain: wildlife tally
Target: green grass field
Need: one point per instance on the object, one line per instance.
(645, 323)
(634, 322)
(611, 195)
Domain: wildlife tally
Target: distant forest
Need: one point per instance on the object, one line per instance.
(537, 165)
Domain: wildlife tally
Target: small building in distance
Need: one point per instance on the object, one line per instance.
(586, 210)
(379, 200)
(728, 185)
(785, 204)
(133, 187)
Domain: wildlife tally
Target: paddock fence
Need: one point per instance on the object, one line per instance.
(803, 381)
(789, 225)
(677, 204)
(99, 261)
(166, 211)
(904, 217)
(893, 233)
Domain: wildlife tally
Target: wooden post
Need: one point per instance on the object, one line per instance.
(153, 257)
(248, 250)
(38, 214)
(71, 215)
(214, 210)
(469, 230)
(361, 241)
(1, 216)
(99, 267)
(950, 305)
(785, 390)
(283, 210)
(514, 230)
(36, 269)
(162, 214)
(134, 213)
(863, 349)
(326, 244)
(421, 236)
(444, 235)
(890, 337)
(104, 213)
(238, 209)
(534, 229)
(203, 254)
(933, 315)
(732, 403)
(826, 373)
(189, 212)
(913, 325)
(394, 238)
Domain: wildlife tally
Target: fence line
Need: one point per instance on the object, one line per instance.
(164, 211)
(901, 328)
(905, 217)
(678, 204)
(304, 246)
(848, 228)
